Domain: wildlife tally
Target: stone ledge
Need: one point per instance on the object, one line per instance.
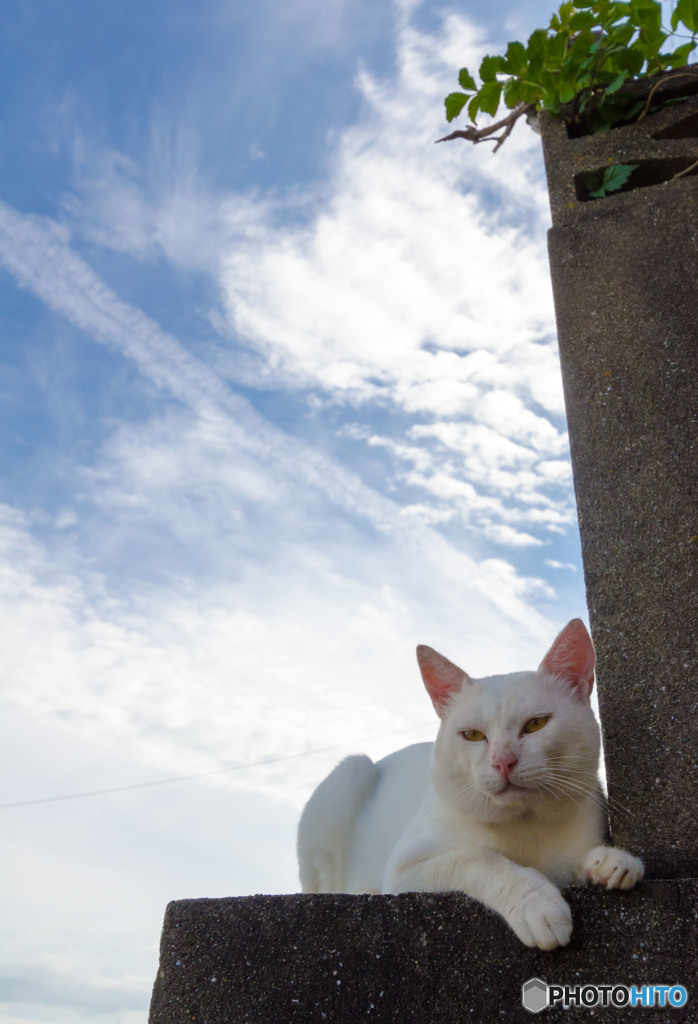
(427, 958)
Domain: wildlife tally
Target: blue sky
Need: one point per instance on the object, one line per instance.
(279, 400)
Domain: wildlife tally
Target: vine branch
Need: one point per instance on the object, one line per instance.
(685, 171)
(662, 81)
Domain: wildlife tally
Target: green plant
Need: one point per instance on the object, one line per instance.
(612, 178)
(577, 67)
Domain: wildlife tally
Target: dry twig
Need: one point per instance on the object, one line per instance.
(488, 134)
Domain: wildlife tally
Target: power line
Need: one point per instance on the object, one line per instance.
(198, 775)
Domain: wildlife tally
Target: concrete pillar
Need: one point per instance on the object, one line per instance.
(625, 280)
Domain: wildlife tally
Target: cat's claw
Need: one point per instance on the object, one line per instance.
(542, 919)
(614, 868)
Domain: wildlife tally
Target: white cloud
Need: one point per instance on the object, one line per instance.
(221, 589)
(554, 564)
(379, 294)
(404, 252)
(311, 651)
(513, 538)
(409, 292)
(390, 291)
(413, 279)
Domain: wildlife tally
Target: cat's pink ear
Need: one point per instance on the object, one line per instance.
(572, 657)
(441, 677)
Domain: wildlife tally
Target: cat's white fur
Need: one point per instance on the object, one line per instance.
(508, 819)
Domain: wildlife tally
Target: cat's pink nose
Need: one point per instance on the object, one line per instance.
(504, 765)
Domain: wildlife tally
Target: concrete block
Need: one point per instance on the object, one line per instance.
(661, 144)
(419, 958)
(625, 281)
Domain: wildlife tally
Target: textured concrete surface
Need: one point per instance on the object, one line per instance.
(414, 959)
(625, 281)
(661, 144)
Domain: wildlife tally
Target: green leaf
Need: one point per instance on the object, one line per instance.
(621, 35)
(583, 50)
(567, 91)
(647, 15)
(515, 59)
(583, 21)
(529, 92)
(489, 97)
(649, 46)
(687, 12)
(454, 103)
(489, 68)
(617, 108)
(616, 83)
(578, 67)
(679, 57)
(466, 80)
(630, 60)
(614, 177)
(511, 94)
(557, 49)
(537, 43)
(635, 109)
(609, 16)
(566, 11)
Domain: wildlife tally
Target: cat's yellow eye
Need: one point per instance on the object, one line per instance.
(473, 734)
(534, 724)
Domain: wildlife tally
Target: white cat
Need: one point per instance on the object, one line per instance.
(504, 806)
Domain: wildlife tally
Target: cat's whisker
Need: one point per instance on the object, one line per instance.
(552, 790)
(567, 789)
(621, 786)
(588, 783)
(614, 808)
(560, 795)
(565, 779)
(606, 798)
(617, 809)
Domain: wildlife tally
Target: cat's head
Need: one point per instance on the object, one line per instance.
(526, 741)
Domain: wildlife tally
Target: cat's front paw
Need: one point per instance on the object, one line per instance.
(614, 868)
(542, 918)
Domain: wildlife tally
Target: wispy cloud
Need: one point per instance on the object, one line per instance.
(402, 291)
(156, 656)
(410, 291)
(412, 280)
(362, 448)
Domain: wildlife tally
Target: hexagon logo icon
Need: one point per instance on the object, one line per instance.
(534, 995)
